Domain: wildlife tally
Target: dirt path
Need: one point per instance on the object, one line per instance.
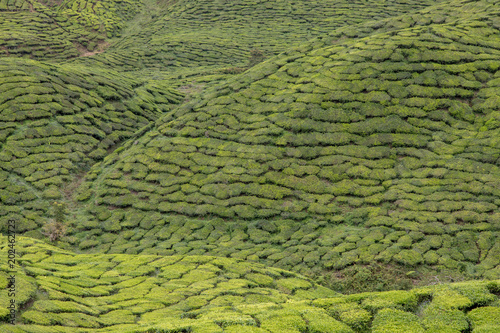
(101, 47)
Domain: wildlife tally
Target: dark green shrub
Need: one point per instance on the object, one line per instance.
(256, 56)
(373, 277)
(56, 229)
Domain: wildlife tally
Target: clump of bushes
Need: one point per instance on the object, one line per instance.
(373, 277)
(256, 56)
(233, 70)
(56, 229)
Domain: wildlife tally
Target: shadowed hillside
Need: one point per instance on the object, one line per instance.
(56, 121)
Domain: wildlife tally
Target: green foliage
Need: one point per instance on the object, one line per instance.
(56, 229)
(409, 257)
(485, 318)
(391, 299)
(391, 320)
(358, 319)
(256, 56)
(436, 319)
(377, 277)
(366, 156)
(59, 212)
(449, 298)
(320, 322)
(90, 292)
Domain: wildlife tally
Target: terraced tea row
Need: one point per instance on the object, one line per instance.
(33, 35)
(477, 17)
(92, 291)
(65, 292)
(8, 5)
(307, 246)
(56, 121)
(106, 17)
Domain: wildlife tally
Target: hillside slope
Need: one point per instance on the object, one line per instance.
(58, 30)
(383, 147)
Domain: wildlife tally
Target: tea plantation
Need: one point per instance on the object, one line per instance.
(384, 148)
(222, 33)
(250, 166)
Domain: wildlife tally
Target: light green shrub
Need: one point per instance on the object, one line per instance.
(397, 299)
(320, 322)
(284, 324)
(409, 257)
(437, 319)
(358, 319)
(485, 319)
(392, 321)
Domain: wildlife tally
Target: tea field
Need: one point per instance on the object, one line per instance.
(262, 166)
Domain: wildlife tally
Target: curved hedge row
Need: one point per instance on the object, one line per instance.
(307, 246)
